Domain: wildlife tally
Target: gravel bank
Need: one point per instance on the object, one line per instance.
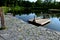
(19, 30)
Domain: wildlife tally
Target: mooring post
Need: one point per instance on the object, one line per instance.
(2, 18)
(34, 19)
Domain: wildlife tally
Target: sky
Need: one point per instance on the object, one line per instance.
(36, 0)
(58, 0)
(33, 0)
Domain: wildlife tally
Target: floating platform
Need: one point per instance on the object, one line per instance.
(39, 21)
(55, 10)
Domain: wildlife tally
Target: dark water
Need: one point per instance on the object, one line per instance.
(54, 17)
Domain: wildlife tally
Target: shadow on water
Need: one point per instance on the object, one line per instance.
(36, 24)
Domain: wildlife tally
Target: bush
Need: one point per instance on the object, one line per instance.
(13, 10)
(18, 8)
(5, 9)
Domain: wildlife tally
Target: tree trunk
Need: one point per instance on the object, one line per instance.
(2, 18)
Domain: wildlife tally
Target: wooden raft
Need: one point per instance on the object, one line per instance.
(40, 21)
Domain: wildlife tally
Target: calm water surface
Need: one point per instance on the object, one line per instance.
(54, 23)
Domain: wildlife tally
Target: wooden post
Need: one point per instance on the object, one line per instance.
(34, 19)
(2, 18)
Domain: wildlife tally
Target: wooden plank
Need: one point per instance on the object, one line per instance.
(40, 21)
(54, 9)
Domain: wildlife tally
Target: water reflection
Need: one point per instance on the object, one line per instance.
(26, 17)
(59, 18)
(55, 19)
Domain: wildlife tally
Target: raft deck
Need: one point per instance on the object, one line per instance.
(39, 21)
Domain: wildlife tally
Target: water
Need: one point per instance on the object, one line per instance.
(54, 23)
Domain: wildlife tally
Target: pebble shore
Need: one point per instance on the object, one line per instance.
(16, 29)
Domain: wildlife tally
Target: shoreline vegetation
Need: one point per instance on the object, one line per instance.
(16, 7)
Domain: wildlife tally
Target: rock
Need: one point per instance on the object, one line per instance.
(20, 30)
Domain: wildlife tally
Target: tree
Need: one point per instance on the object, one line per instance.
(39, 1)
(2, 18)
(54, 1)
(47, 1)
(2, 2)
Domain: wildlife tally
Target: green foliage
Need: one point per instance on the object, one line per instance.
(5, 9)
(12, 9)
(17, 8)
(27, 6)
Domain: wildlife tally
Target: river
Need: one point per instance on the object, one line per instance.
(54, 17)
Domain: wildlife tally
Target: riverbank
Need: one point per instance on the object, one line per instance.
(16, 29)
